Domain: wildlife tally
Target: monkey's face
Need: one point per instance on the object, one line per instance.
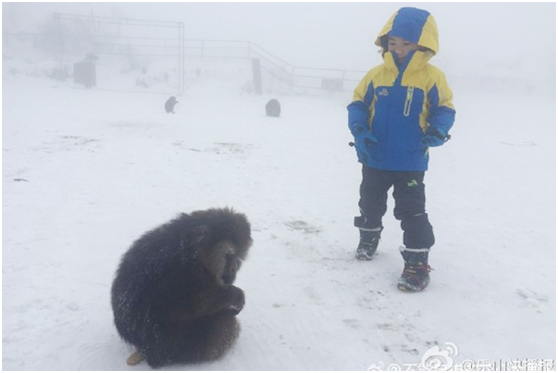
(242, 240)
(232, 265)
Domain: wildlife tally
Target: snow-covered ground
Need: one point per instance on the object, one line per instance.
(86, 172)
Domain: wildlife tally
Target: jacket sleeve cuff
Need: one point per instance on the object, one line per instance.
(358, 116)
(442, 119)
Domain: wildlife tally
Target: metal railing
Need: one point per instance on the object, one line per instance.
(277, 68)
(180, 49)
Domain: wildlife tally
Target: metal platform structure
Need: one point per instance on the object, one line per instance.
(164, 43)
(124, 37)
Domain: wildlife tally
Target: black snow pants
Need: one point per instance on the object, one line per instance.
(410, 200)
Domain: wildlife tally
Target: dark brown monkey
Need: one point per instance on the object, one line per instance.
(169, 104)
(173, 297)
(273, 108)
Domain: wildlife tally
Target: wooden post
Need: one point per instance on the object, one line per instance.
(257, 74)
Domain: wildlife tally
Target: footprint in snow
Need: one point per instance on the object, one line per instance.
(300, 225)
(532, 298)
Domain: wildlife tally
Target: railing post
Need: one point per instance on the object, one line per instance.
(257, 74)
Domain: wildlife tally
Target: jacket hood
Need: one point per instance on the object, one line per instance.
(415, 25)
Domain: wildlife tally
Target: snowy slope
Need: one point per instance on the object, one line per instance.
(85, 172)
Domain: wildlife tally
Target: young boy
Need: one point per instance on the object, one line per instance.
(400, 109)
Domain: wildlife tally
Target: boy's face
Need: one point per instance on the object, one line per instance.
(400, 47)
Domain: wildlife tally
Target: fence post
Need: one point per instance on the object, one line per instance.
(257, 74)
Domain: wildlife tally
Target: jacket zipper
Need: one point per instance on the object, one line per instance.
(408, 101)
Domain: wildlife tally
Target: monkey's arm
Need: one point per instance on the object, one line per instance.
(190, 304)
(217, 299)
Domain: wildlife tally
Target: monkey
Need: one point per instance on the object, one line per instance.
(173, 296)
(169, 105)
(273, 108)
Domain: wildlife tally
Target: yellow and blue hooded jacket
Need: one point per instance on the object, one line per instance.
(396, 104)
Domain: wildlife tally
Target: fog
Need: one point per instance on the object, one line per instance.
(505, 40)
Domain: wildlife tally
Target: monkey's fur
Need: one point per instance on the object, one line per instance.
(173, 297)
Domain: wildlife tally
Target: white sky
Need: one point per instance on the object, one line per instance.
(502, 39)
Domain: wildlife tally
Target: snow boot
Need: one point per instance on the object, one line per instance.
(369, 239)
(416, 274)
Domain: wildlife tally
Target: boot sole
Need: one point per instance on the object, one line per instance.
(410, 289)
(364, 258)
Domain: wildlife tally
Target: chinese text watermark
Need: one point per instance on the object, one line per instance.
(443, 359)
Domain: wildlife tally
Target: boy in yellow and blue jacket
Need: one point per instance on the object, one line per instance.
(400, 109)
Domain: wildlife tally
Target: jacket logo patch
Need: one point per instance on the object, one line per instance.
(383, 92)
(413, 183)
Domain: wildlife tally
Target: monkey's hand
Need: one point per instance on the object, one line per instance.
(237, 300)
